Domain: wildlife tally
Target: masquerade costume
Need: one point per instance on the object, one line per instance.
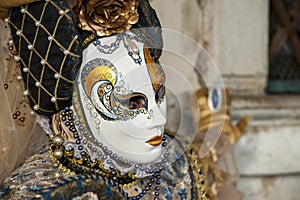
(81, 78)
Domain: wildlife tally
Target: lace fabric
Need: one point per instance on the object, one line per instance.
(44, 122)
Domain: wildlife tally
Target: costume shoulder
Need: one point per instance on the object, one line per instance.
(183, 177)
(37, 178)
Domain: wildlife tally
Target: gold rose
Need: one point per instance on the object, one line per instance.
(106, 17)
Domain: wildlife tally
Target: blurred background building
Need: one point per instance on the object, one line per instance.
(256, 46)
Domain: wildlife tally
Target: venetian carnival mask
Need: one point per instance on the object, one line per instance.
(121, 97)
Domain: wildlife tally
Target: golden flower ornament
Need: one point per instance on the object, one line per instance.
(105, 17)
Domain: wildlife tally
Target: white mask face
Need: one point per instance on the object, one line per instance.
(123, 101)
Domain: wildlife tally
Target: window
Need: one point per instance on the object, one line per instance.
(284, 52)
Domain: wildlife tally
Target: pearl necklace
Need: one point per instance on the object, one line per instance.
(123, 182)
(127, 39)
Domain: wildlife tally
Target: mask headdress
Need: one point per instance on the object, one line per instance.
(50, 58)
(48, 48)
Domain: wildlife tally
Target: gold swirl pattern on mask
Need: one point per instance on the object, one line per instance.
(112, 93)
(100, 73)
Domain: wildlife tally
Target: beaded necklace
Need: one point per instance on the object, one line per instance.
(127, 39)
(64, 156)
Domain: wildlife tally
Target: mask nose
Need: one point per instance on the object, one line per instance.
(157, 120)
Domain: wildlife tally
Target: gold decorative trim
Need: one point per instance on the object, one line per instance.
(200, 180)
(88, 40)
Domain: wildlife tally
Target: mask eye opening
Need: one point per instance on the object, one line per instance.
(132, 101)
(137, 102)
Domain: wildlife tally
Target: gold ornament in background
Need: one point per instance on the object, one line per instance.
(219, 164)
(220, 119)
(106, 17)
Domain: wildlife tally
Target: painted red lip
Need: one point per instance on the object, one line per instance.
(155, 141)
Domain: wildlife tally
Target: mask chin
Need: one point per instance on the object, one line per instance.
(144, 155)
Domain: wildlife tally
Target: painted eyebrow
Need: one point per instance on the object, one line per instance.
(155, 70)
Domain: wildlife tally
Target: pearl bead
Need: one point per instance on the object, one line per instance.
(19, 78)
(10, 42)
(57, 140)
(66, 52)
(137, 51)
(50, 38)
(57, 175)
(23, 10)
(58, 154)
(37, 23)
(18, 32)
(61, 12)
(32, 112)
(56, 75)
(17, 58)
(43, 62)
(53, 99)
(35, 107)
(6, 20)
(25, 69)
(25, 92)
(30, 47)
(37, 84)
